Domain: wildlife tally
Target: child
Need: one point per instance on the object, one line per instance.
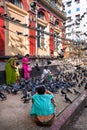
(46, 75)
(17, 72)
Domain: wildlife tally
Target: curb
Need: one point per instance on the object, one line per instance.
(65, 117)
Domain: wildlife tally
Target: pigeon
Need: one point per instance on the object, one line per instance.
(26, 97)
(14, 91)
(79, 85)
(85, 86)
(76, 92)
(77, 80)
(2, 96)
(67, 99)
(68, 90)
(63, 92)
(15, 88)
(26, 100)
(82, 82)
(7, 89)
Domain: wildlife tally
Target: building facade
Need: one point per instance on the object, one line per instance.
(34, 27)
(76, 23)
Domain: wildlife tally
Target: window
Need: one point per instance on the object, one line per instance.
(55, 1)
(77, 23)
(41, 15)
(77, 9)
(69, 11)
(77, 17)
(56, 41)
(69, 28)
(56, 23)
(69, 3)
(16, 2)
(52, 19)
(40, 37)
(77, 1)
(69, 19)
(68, 34)
(78, 36)
(77, 26)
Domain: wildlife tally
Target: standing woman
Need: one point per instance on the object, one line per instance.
(25, 63)
(10, 70)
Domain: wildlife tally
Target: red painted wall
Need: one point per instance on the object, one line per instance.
(25, 5)
(51, 42)
(32, 40)
(2, 34)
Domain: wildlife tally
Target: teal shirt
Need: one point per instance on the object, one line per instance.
(42, 105)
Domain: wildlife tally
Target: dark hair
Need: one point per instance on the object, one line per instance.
(41, 90)
(15, 56)
(17, 63)
(27, 55)
(46, 67)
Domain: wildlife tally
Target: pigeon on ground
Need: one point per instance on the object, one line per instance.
(79, 85)
(62, 92)
(85, 86)
(2, 96)
(68, 90)
(26, 97)
(67, 99)
(76, 92)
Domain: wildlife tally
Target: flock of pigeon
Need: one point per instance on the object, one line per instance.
(66, 82)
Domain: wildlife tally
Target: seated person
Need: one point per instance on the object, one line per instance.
(46, 73)
(43, 107)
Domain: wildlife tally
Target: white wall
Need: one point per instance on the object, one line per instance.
(83, 22)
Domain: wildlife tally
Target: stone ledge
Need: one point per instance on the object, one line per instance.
(66, 116)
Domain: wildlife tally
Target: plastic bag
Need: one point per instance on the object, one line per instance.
(29, 68)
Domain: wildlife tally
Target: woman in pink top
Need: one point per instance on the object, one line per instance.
(25, 63)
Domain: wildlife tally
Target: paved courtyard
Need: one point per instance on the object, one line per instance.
(14, 114)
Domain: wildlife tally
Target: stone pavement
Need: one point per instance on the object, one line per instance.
(70, 112)
(80, 121)
(14, 114)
